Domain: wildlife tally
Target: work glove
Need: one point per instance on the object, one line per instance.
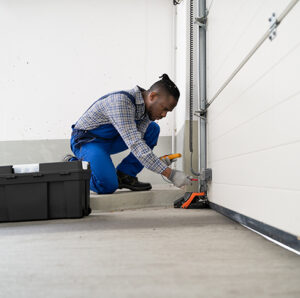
(179, 178)
(168, 161)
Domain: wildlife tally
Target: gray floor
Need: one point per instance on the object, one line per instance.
(161, 252)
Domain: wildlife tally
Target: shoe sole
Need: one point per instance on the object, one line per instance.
(134, 188)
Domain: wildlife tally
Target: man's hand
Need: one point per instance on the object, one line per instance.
(179, 178)
(168, 161)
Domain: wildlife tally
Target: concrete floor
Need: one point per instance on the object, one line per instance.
(161, 252)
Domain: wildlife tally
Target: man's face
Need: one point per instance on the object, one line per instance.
(159, 105)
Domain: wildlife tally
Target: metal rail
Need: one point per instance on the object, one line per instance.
(254, 49)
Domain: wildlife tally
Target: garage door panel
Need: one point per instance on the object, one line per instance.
(278, 126)
(274, 168)
(269, 77)
(233, 34)
(263, 204)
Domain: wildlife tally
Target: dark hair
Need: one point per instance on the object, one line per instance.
(166, 84)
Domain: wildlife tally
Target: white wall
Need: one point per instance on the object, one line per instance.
(253, 125)
(182, 61)
(57, 57)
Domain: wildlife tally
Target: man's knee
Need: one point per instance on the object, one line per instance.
(108, 185)
(110, 188)
(154, 128)
(152, 134)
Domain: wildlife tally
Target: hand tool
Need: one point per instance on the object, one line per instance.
(170, 156)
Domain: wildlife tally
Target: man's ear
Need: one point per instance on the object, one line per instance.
(153, 95)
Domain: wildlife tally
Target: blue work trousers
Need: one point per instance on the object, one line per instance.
(98, 150)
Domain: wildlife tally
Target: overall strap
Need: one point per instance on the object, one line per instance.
(131, 97)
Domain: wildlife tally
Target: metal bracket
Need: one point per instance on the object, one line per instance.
(273, 26)
(200, 113)
(201, 21)
(206, 175)
(176, 2)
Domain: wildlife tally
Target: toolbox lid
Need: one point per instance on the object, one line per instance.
(51, 167)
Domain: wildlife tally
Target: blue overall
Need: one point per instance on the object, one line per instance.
(96, 146)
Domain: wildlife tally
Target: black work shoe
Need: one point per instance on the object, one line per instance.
(132, 183)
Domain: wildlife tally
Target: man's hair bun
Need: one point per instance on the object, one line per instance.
(165, 77)
(166, 84)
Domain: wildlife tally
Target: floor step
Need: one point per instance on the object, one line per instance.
(158, 196)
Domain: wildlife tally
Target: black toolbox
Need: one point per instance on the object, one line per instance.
(54, 190)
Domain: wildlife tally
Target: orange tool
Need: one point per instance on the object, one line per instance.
(189, 201)
(170, 156)
(193, 200)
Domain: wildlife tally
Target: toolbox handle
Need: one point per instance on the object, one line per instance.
(65, 173)
(12, 176)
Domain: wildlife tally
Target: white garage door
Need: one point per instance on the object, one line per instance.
(254, 123)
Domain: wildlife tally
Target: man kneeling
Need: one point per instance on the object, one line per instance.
(124, 120)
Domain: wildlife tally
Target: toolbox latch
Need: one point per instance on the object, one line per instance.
(37, 175)
(65, 173)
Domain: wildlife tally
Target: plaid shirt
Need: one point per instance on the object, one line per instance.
(118, 110)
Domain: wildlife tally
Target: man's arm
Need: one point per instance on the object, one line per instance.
(143, 125)
(121, 113)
